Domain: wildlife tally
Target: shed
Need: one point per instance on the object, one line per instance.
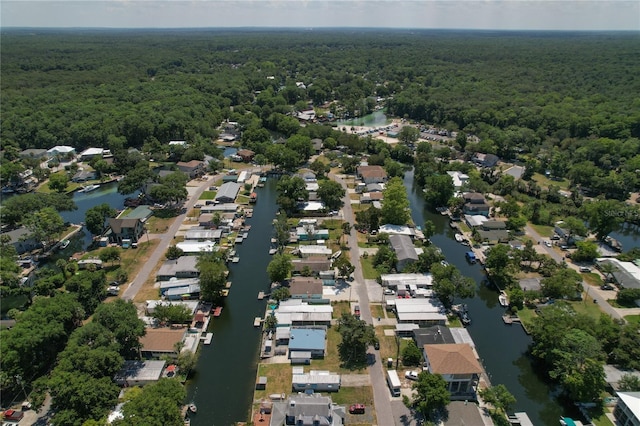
(261, 384)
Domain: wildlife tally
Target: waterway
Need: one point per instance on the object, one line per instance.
(223, 384)
(502, 348)
(376, 118)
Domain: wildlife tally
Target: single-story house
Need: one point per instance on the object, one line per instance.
(308, 409)
(177, 283)
(314, 380)
(397, 230)
(313, 263)
(159, 342)
(405, 250)
(457, 364)
(203, 235)
(419, 280)
(422, 311)
(459, 179)
(371, 197)
(296, 312)
(84, 175)
(246, 155)
(61, 151)
(139, 373)
(475, 220)
(182, 267)
(195, 246)
(90, 153)
(19, 239)
(314, 250)
(494, 237)
(436, 335)
(187, 292)
(311, 206)
(141, 212)
(228, 192)
(374, 187)
(33, 153)
(84, 263)
(222, 207)
(305, 288)
(125, 229)
(485, 160)
(627, 411)
(625, 274)
(491, 225)
(371, 174)
(310, 232)
(312, 340)
(193, 168)
(205, 220)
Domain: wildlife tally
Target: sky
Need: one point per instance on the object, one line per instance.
(589, 15)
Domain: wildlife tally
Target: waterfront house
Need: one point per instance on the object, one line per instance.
(421, 311)
(90, 153)
(33, 153)
(193, 168)
(314, 250)
(457, 364)
(625, 274)
(84, 175)
(139, 373)
(228, 192)
(84, 263)
(371, 197)
(494, 237)
(296, 312)
(307, 410)
(188, 292)
(459, 179)
(182, 267)
(201, 234)
(125, 229)
(305, 288)
(396, 230)
(627, 411)
(371, 174)
(315, 264)
(177, 283)
(313, 340)
(475, 204)
(436, 335)
(405, 250)
(21, 240)
(205, 220)
(246, 155)
(310, 233)
(158, 342)
(314, 380)
(195, 246)
(493, 225)
(475, 221)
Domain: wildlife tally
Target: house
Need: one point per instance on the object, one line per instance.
(125, 229)
(163, 341)
(314, 381)
(187, 292)
(405, 250)
(457, 364)
(374, 187)
(177, 283)
(313, 264)
(310, 233)
(228, 192)
(625, 274)
(485, 160)
(199, 234)
(193, 168)
(182, 267)
(627, 411)
(296, 312)
(195, 246)
(85, 263)
(493, 225)
(61, 151)
(315, 251)
(459, 179)
(397, 230)
(436, 335)
(421, 311)
(305, 288)
(84, 175)
(394, 281)
(139, 373)
(140, 212)
(317, 145)
(308, 115)
(246, 155)
(20, 240)
(494, 237)
(33, 153)
(205, 220)
(371, 174)
(475, 221)
(475, 204)
(371, 197)
(90, 153)
(307, 410)
(312, 340)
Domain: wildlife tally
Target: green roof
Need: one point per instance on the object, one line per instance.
(140, 212)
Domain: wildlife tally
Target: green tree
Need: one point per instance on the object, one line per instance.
(604, 216)
(384, 260)
(346, 228)
(186, 361)
(291, 191)
(213, 276)
(499, 397)
(574, 226)
(95, 218)
(587, 251)
(429, 229)
(357, 335)
(77, 397)
(44, 225)
(270, 322)
(408, 135)
(395, 208)
(629, 383)
(121, 319)
(172, 314)
(173, 252)
(439, 189)
(565, 283)
(109, 254)
(432, 394)
(135, 179)
(411, 354)
(279, 268)
(281, 231)
(158, 404)
(345, 268)
(281, 293)
(58, 182)
(448, 283)
(331, 193)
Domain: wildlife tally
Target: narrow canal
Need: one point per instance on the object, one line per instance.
(502, 348)
(225, 374)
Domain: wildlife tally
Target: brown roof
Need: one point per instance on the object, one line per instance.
(161, 339)
(376, 196)
(303, 285)
(455, 358)
(473, 196)
(245, 153)
(372, 172)
(191, 164)
(117, 225)
(315, 263)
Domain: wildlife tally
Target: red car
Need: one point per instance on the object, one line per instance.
(356, 409)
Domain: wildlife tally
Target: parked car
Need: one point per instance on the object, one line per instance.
(113, 290)
(389, 292)
(376, 345)
(357, 409)
(585, 269)
(547, 243)
(606, 287)
(411, 375)
(356, 311)
(555, 237)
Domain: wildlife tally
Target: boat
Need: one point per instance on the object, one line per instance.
(64, 244)
(272, 251)
(218, 311)
(459, 238)
(193, 408)
(235, 259)
(463, 313)
(503, 299)
(471, 257)
(89, 188)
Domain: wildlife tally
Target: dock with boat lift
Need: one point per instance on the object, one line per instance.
(207, 338)
(257, 321)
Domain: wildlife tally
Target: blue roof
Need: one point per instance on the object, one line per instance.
(307, 339)
(471, 254)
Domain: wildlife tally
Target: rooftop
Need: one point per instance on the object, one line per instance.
(452, 359)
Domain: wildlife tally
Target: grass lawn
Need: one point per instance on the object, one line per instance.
(545, 182)
(543, 230)
(388, 345)
(340, 308)
(208, 195)
(156, 225)
(464, 227)
(527, 315)
(278, 379)
(331, 361)
(592, 279)
(377, 311)
(454, 322)
(368, 271)
(333, 224)
(633, 319)
(242, 199)
(354, 196)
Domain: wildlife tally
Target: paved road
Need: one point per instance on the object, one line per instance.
(598, 295)
(166, 239)
(377, 373)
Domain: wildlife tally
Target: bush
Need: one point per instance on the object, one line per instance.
(628, 296)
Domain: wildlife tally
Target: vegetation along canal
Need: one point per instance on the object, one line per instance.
(502, 348)
(223, 384)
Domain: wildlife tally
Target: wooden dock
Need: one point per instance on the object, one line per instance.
(261, 295)
(207, 338)
(257, 321)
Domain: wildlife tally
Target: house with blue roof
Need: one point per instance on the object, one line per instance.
(312, 340)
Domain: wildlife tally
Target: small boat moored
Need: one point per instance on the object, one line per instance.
(89, 188)
(218, 311)
(64, 244)
(503, 299)
(192, 408)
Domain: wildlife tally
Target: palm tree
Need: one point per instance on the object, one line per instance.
(607, 269)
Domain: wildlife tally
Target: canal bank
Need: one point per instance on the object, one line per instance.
(222, 386)
(502, 348)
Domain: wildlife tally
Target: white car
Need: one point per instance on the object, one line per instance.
(547, 243)
(389, 292)
(411, 375)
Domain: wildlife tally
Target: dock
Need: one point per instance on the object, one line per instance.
(261, 295)
(257, 321)
(520, 419)
(207, 338)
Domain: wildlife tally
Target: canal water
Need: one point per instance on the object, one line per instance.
(502, 348)
(223, 384)
(376, 118)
